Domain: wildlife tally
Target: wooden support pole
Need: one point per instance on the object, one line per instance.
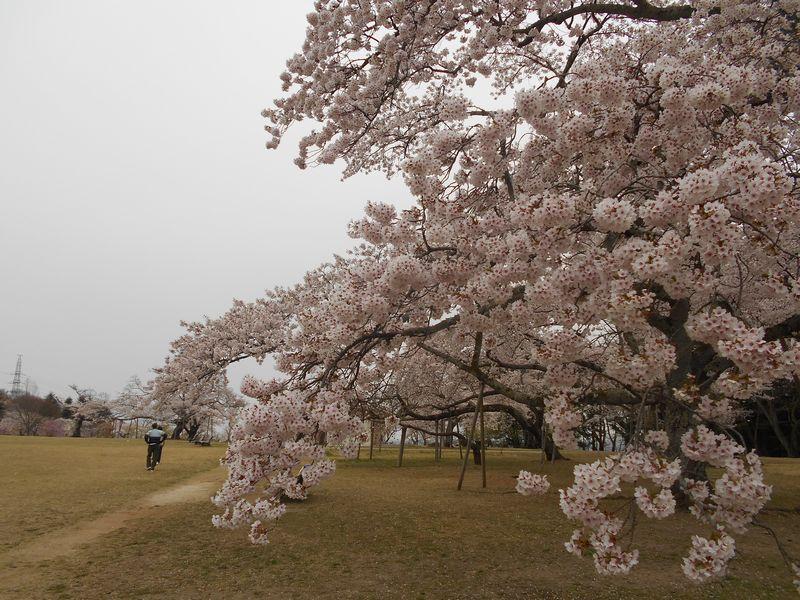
(371, 438)
(483, 439)
(440, 431)
(435, 437)
(436, 441)
(402, 446)
(544, 441)
(475, 363)
(470, 436)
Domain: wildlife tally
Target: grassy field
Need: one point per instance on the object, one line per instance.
(372, 531)
(50, 482)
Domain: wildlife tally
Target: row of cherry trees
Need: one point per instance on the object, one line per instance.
(606, 218)
(191, 410)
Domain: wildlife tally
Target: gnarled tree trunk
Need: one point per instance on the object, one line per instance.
(179, 428)
(192, 430)
(76, 431)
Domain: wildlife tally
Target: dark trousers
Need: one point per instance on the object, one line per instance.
(153, 455)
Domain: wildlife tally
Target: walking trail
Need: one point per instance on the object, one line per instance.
(64, 541)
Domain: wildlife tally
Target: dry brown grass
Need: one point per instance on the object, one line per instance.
(376, 531)
(49, 482)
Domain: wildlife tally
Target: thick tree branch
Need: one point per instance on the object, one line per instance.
(643, 11)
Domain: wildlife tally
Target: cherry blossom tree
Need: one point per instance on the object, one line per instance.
(88, 406)
(606, 215)
(189, 407)
(135, 400)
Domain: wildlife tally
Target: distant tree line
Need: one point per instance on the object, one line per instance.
(30, 414)
(26, 413)
(88, 413)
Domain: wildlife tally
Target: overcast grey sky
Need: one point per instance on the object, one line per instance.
(135, 190)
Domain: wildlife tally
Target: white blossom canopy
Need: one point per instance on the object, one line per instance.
(616, 224)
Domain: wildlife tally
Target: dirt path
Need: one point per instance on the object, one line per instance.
(61, 542)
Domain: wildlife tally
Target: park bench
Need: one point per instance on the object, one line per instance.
(202, 441)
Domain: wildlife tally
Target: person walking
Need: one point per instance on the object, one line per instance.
(155, 439)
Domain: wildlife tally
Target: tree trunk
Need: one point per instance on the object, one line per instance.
(192, 430)
(677, 422)
(76, 432)
(450, 426)
(530, 437)
(483, 441)
(371, 438)
(476, 452)
(550, 451)
(772, 418)
(689, 470)
(179, 427)
(402, 446)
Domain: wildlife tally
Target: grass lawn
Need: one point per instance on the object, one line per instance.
(50, 482)
(376, 531)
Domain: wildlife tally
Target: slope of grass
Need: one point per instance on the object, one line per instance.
(46, 483)
(376, 531)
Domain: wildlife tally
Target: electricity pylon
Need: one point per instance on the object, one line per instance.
(16, 385)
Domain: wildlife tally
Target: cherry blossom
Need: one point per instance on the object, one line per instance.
(531, 484)
(709, 558)
(615, 227)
